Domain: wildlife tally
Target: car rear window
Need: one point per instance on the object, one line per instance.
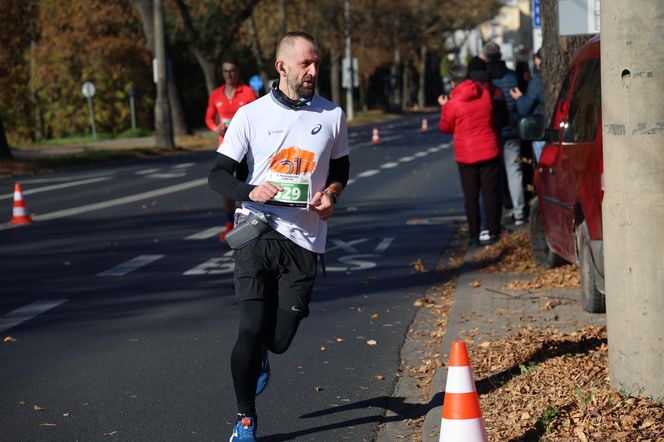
(585, 104)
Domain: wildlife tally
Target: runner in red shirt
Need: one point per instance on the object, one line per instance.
(225, 101)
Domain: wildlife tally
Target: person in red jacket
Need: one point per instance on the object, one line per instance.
(471, 115)
(223, 103)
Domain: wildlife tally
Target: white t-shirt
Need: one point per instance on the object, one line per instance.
(298, 142)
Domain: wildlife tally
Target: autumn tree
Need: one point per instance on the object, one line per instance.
(91, 40)
(211, 28)
(17, 21)
(557, 53)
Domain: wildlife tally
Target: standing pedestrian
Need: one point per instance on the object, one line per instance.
(469, 114)
(296, 145)
(532, 102)
(223, 103)
(506, 79)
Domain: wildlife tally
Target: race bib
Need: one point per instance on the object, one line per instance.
(296, 189)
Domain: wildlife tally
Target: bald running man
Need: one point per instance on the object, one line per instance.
(296, 145)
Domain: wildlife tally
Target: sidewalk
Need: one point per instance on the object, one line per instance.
(482, 311)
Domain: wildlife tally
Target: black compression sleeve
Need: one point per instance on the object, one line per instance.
(339, 171)
(223, 181)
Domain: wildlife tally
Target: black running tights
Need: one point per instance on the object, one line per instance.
(262, 327)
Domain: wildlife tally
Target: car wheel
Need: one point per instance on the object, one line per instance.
(542, 253)
(592, 300)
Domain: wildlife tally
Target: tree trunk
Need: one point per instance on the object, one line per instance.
(421, 86)
(162, 111)
(207, 66)
(5, 150)
(405, 85)
(177, 113)
(335, 86)
(178, 122)
(557, 52)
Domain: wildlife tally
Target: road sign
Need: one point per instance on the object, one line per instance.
(88, 89)
(256, 83)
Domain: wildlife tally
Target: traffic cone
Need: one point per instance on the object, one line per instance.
(19, 211)
(425, 125)
(462, 418)
(375, 136)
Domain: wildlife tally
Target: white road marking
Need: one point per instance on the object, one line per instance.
(146, 171)
(163, 175)
(383, 245)
(64, 178)
(207, 233)
(119, 201)
(368, 173)
(58, 186)
(346, 246)
(389, 165)
(214, 266)
(421, 154)
(350, 181)
(183, 165)
(27, 312)
(406, 159)
(131, 265)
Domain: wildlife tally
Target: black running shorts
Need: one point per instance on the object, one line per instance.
(274, 268)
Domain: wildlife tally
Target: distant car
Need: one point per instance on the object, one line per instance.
(566, 215)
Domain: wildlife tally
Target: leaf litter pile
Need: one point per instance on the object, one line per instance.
(512, 254)
(545, 385)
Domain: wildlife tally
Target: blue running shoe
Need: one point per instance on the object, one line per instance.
(264, 376)
(244, 431)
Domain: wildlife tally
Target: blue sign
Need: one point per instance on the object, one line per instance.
(537, 18)
(256, 83)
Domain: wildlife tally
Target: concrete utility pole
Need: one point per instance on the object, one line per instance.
(633, 206)
(349, 56)
(162, 109)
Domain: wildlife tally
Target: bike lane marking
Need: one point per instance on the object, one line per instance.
(131, 265)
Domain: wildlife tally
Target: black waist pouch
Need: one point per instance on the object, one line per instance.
(248, 228)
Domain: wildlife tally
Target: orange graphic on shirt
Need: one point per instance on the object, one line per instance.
(293, 161)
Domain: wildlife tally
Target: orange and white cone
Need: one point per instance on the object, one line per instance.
(462, 418)
(19, 211)
(425, 125)
(375, 136)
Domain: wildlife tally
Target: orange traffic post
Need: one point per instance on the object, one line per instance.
(462, 419)
(19, 210)
(375, 136)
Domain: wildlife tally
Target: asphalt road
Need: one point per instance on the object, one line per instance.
(120, 301)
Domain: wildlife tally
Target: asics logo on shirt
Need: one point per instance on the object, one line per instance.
(277, 131)
(316, 129)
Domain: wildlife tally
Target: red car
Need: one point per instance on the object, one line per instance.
(566, 215)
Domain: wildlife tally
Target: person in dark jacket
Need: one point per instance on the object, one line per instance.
(469, 115)
(505, 79)
(532, 102)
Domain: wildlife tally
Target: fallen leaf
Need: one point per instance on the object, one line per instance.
(65, 414)
(647, 423)
(318, 388)
(475, 284)
(47, 424)
(578, 432)
(375, 315)
(38, 408)
(340, 339)
(380, 377)
(322, 348)
(372, 342)
(110, 433)
(9, 339)
(485, 344)
(21, 402)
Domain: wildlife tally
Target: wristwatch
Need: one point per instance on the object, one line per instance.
(333, 194)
